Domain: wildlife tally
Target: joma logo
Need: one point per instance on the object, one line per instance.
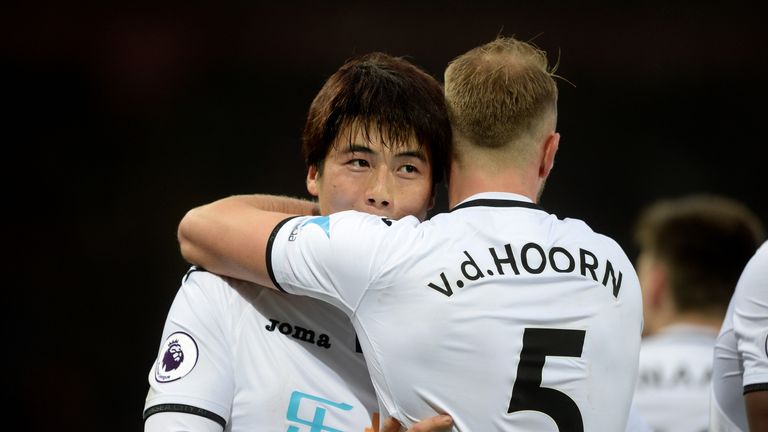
(300, 333)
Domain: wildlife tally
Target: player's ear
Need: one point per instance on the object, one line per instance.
(313, 174)
(658, 284)
(551, 145)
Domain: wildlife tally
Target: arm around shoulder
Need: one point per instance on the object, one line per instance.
(230, 236)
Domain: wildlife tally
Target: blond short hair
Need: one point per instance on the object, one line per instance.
(500, 93)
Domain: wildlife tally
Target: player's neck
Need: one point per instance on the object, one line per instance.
(712, 321)
(659, 321)
(468, 180)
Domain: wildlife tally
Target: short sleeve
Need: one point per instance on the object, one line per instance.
(193, 370)
(750, 321)
(177, 422)
(334, 258)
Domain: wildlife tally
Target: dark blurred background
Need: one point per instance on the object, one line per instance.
(118, 117)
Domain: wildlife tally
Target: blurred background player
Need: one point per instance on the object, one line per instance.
(691, 252)
(740, 370)
(376, 140)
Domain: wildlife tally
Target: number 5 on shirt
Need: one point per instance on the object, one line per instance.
(527, 393)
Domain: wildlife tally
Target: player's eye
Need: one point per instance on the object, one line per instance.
(358, 163)
(408, 169)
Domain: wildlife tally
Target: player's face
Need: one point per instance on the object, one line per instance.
(369, 177)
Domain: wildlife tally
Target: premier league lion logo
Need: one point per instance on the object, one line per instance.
(177, 358)
(173, 357)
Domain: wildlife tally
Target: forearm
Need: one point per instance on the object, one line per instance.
(229, 236)
(280, 204)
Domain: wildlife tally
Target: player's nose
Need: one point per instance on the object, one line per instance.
(379, 191)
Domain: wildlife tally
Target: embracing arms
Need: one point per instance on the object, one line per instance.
(230, 236)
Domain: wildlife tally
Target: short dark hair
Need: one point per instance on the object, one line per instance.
(705, 242)
(386, 93)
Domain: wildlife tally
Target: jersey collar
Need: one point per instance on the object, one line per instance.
(497, 199)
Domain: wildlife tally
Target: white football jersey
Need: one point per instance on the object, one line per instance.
(497, 313)
(741, 353)
(636, 422)
(674, 377)
(253, 359)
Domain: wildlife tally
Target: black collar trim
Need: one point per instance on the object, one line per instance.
(498, 203)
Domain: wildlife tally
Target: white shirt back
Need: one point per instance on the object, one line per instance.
(497, 313)
(674, 378)
(260, 360)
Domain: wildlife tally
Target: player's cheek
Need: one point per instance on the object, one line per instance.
(417, 201)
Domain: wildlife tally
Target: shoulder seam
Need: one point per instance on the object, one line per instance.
(193, 269)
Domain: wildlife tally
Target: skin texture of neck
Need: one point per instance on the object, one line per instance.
(713, 320)
(476, 171)
(469, 179)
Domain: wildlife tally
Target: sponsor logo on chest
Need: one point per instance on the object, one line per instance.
(299, 333)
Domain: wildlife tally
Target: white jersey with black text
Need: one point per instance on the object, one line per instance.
(674, 377)
(497, 313)
(253, 359)
(741, 353)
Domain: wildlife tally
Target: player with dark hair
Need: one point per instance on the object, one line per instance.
(692, 251)
(498, 312)
(240, 357)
